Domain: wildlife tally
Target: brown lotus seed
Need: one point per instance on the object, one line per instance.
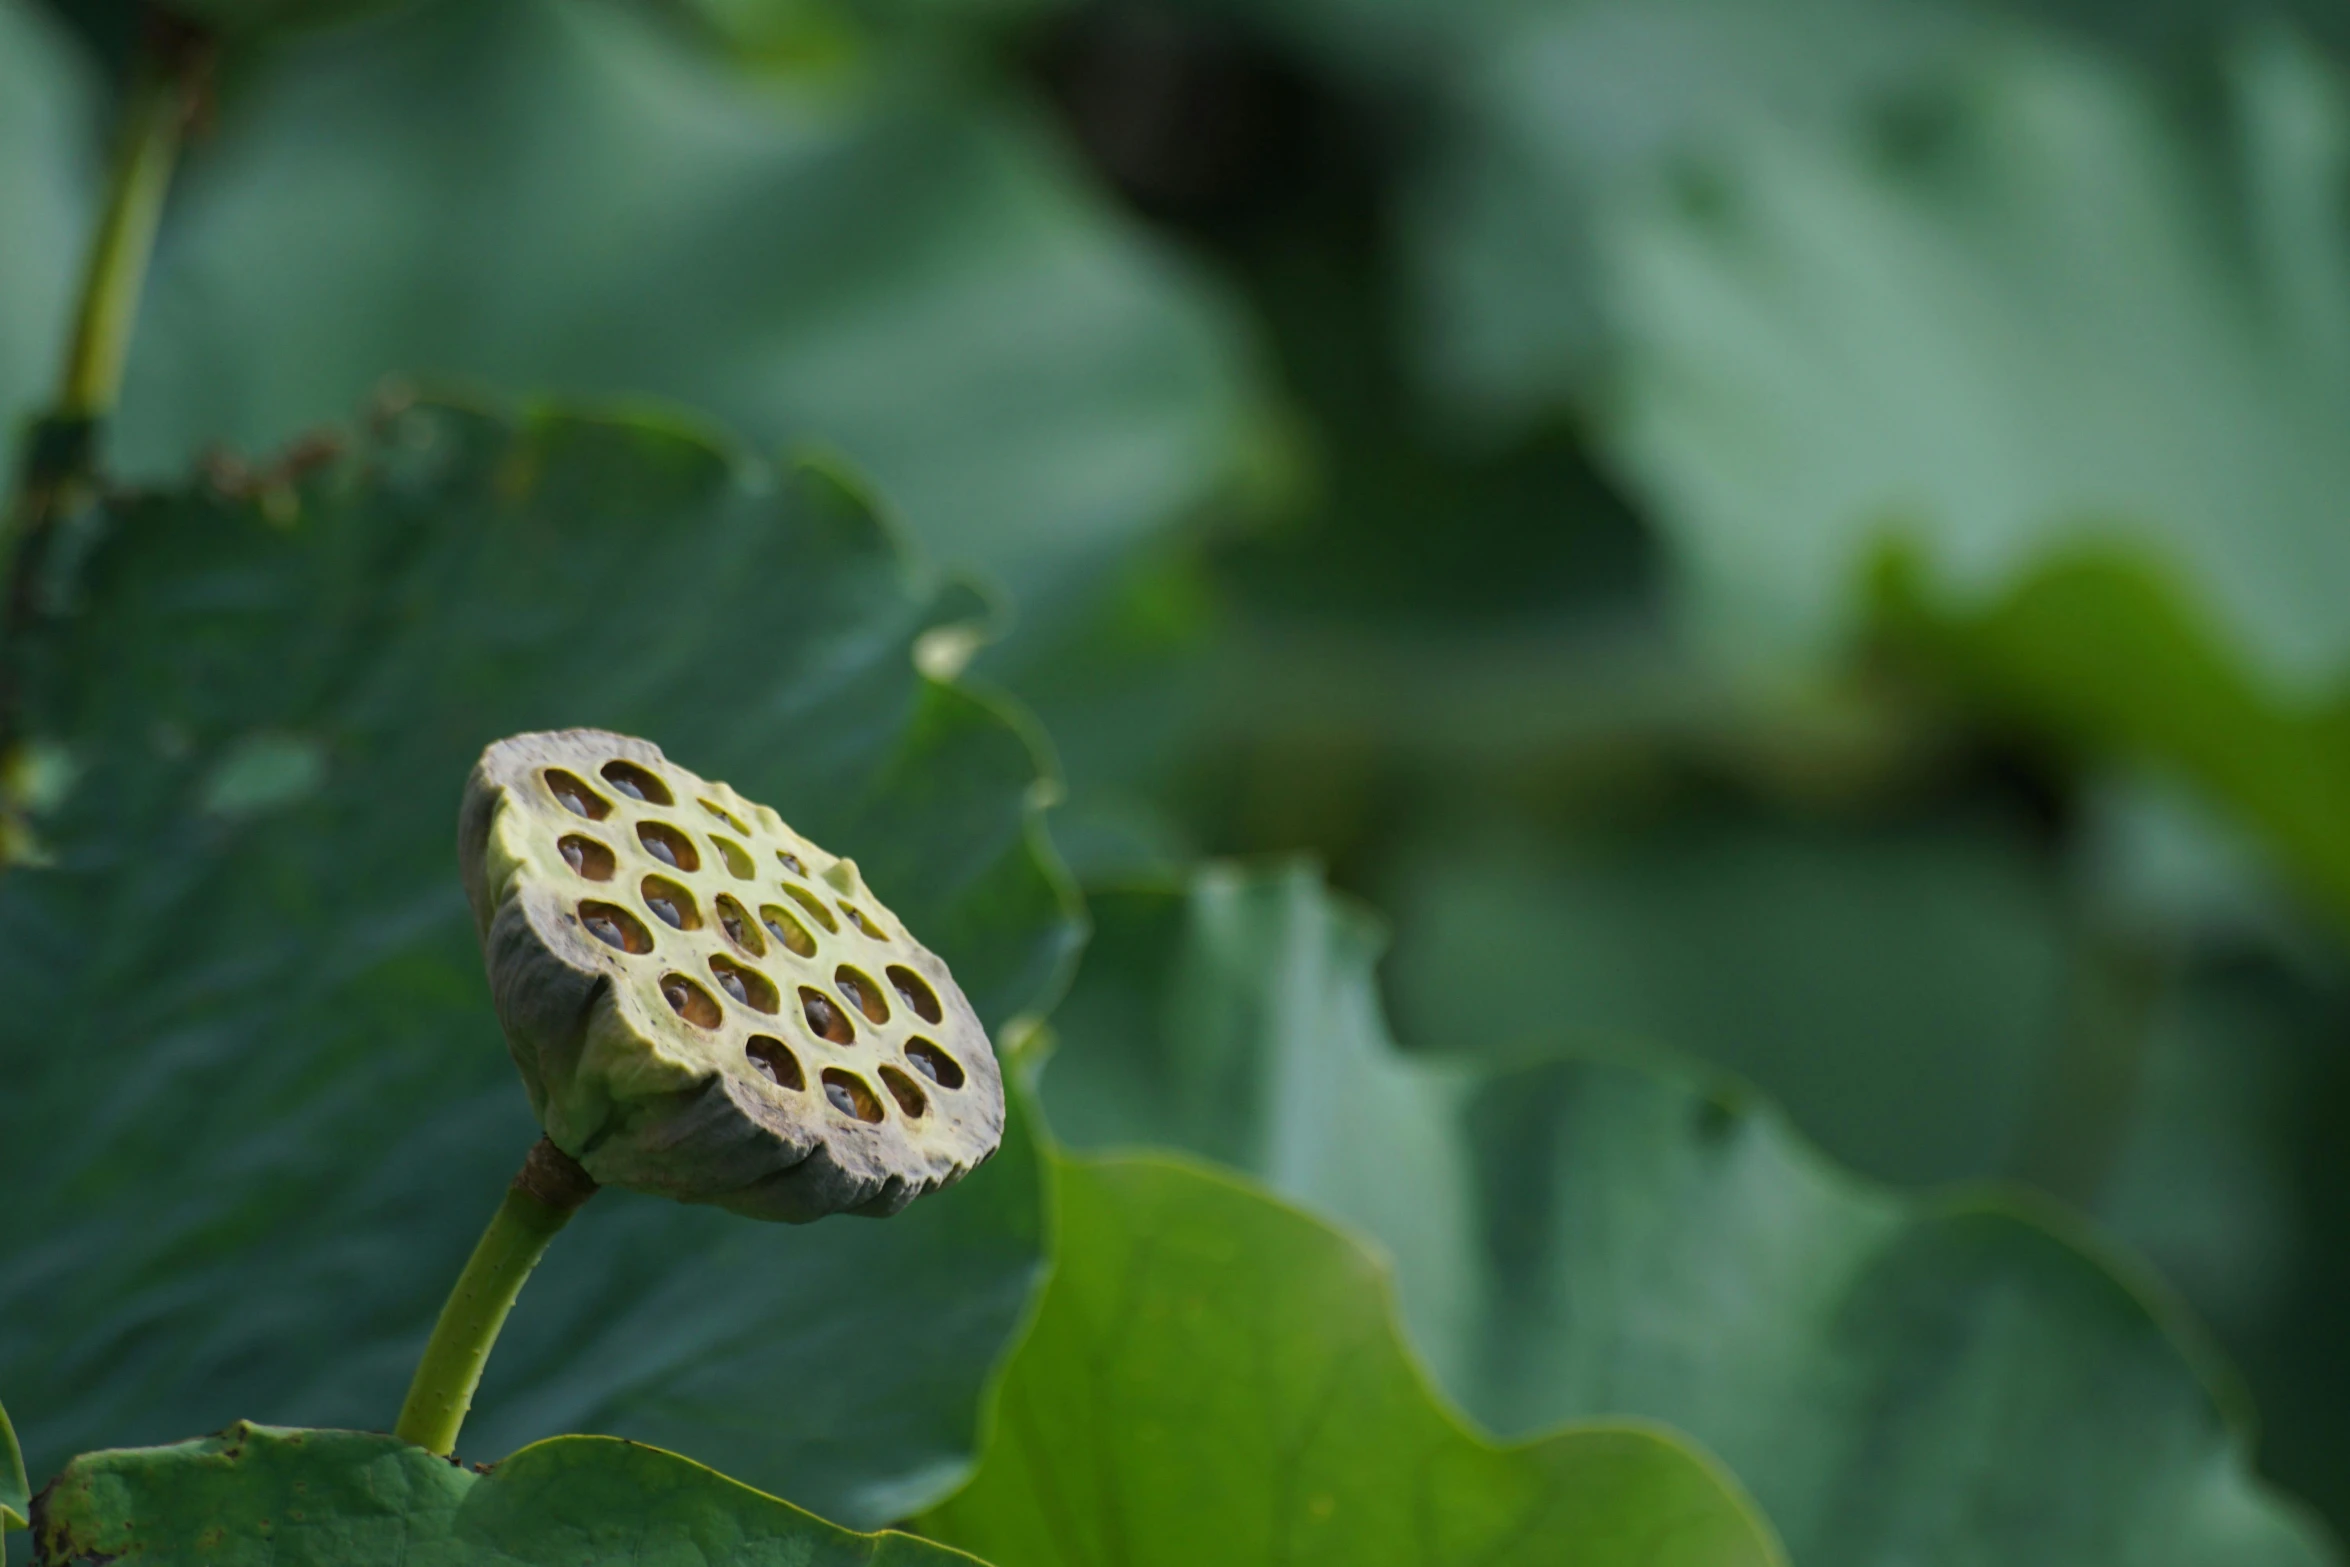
(671, 847)
(689, 1001)
(916, 992)
(934, 1063)
(615, 927)
(862, 993)
(850, 1096)
(775, 1061)
(636, 783)
(825, 1019)
(787, 930)
(588, 857)
(738, 927)
(576, 797)
(672, 904)
(748, 986)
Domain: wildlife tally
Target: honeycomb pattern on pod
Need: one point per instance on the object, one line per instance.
(705, 1005)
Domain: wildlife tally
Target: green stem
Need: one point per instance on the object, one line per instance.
(60, 458)
(540, 1202)
(154, 117)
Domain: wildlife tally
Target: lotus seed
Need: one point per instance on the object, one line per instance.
(824, 1017)
(917, 995)
(934, 1063)
(776, 1063)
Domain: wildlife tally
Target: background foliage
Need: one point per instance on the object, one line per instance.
(1787, 553)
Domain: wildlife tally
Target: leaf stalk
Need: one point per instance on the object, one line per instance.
(549, 1189)
(55, 473)
(160, 105)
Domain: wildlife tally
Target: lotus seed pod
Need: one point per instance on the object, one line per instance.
(705, 1005)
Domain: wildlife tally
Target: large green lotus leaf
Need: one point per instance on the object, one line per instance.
(1955, 1379)
(2104, 653)
(2233, 1176)
(258, 1105)
(270, 1496)
(1558, 112)
(1552, 113)
(45, 167)
(1900, 987)
(2045, 316)
(572, 198)
(1214, 1376)
(2080, 358)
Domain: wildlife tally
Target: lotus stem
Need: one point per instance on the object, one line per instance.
(61, 451)
(157, 113)
(544, 1196)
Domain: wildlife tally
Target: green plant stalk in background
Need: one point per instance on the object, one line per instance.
(544, 1196)
(53, 476)
(156, 118)
(160, 104)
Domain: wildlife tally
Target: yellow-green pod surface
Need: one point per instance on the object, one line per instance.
(705, 1005)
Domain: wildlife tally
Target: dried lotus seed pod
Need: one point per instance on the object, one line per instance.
(705, 1005)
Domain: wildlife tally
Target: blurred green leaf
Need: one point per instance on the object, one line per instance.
(258, 1105)
(2038, 313)
(290, 1498)
(572, 198)
(2234, 1178)
(15, 1491)
(247, 18)
(1958, 1378)
(2077, 358)
(1236, 1023)
(1899, 986)
(1213, 1376)
(1558, 112)
(2105, 655)
(2075, 362)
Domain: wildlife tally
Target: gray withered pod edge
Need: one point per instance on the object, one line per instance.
(702, 1003)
